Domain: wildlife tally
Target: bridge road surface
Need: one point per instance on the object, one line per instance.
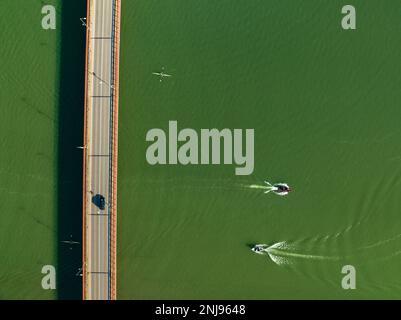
(98, 145)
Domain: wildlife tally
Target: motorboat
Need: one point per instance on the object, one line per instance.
(281, 189)
(259, 248)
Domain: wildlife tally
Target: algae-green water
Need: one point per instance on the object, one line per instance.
(325, 106)
(28, 160)
(41, 105)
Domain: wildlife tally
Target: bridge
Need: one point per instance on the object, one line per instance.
(100, 150)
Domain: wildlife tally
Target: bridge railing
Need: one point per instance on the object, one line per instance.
(114, 171)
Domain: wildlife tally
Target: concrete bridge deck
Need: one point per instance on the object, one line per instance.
(100, 149)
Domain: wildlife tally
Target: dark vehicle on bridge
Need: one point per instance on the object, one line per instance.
(99, 201)
(102, 202)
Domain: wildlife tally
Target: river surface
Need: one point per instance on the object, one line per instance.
(325, 107)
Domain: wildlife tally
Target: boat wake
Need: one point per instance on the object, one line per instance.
(281, 253)
(280, 188)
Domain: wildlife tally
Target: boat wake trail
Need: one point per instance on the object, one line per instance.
(280, 188)
(257, 186)
(282, 253)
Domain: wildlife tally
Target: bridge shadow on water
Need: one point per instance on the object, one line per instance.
(69, 158)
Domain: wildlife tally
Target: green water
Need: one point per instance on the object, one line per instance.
(41, 105)
(324, 104)
(28, 106)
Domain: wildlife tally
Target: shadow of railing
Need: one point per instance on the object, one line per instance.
(70, 135)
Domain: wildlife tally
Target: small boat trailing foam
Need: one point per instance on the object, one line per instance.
(280, 188)
(259, 248)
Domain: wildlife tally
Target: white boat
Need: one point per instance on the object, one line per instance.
(281, 188)
(260, 248)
